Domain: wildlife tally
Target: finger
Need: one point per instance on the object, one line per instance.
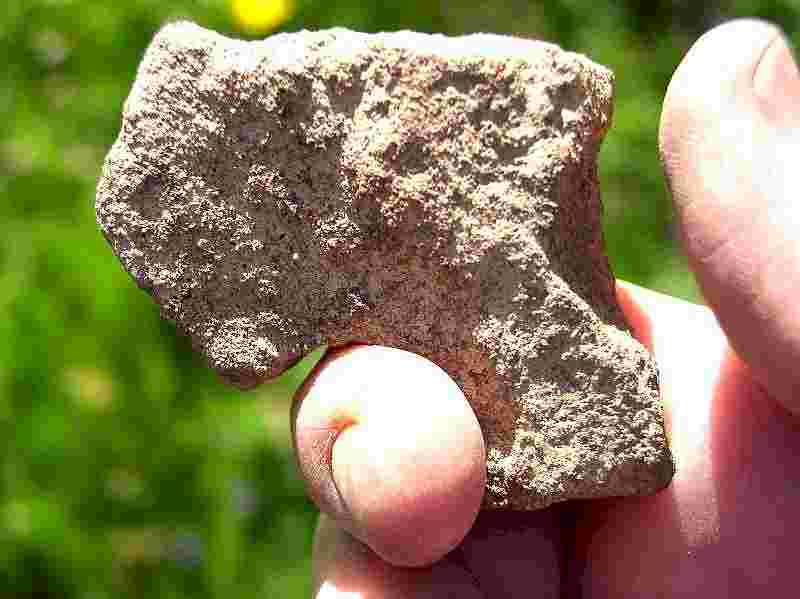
(345, 568)
(730, 136)
(390, 449)
(512, 555)
(726, 524)
(517, 555)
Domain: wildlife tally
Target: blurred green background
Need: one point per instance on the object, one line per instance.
(126, 468)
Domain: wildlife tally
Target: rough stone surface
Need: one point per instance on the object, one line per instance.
(428, 193)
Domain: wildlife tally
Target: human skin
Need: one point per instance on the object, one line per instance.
(399, 503)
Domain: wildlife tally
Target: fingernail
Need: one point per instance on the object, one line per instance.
(776, 83)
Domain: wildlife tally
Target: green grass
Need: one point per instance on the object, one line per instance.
(127, 469)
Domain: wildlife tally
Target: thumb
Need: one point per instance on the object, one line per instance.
(730, 137)
(391, 451)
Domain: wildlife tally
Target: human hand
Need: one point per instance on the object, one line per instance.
(401, 484)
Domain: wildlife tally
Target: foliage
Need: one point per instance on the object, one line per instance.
(126, 468)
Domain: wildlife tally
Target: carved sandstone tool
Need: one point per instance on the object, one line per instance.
(428, 193)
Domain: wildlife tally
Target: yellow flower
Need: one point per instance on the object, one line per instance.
(260, 16)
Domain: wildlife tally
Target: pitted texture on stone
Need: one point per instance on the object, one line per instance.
(429, 193)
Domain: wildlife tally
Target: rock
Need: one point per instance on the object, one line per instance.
(428, 193)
